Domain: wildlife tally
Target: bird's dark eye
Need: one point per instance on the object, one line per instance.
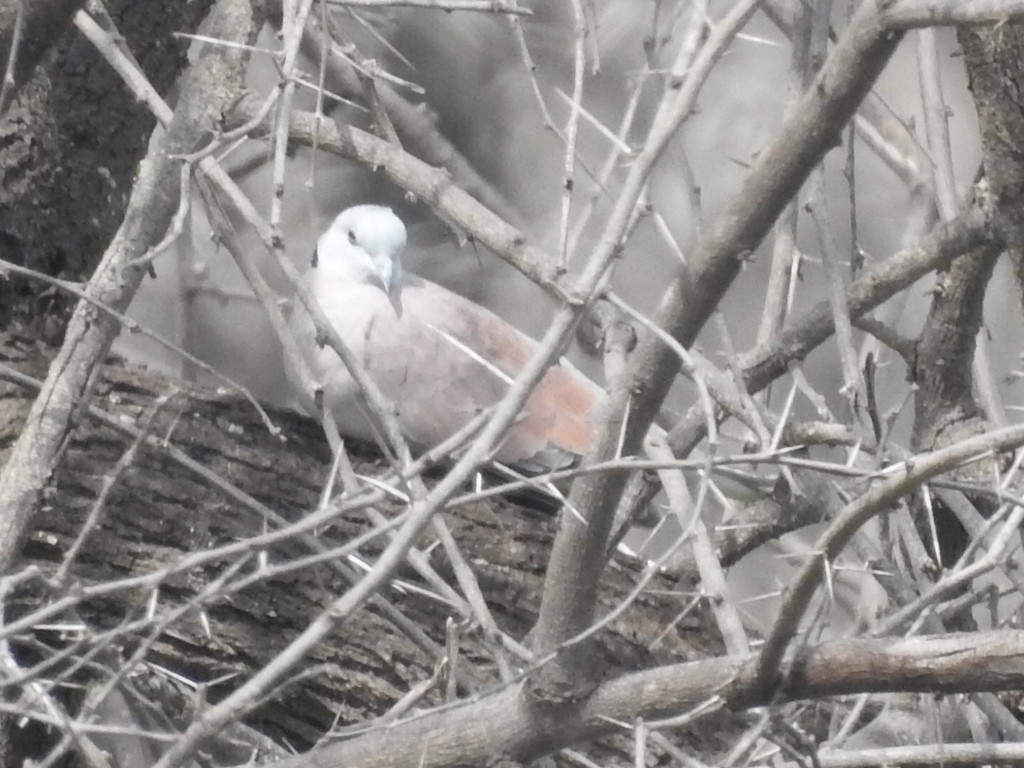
(352, 237)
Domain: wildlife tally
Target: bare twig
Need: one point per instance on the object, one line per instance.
(466, 734)
(835, 538)
(487, 6)
(765, 363)
(88, 337)
(569, 594)
(8, 83)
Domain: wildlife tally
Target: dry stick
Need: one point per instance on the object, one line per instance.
(90, 333)
(133, 326)
(785, 257)
(619, 147)
(572, 129)
(8, 82)
(285, 530)
(936, 125)
(713, 582)
(292, 26)
(471, 733)
(693, 36)
(488, 6)
(570, 589)
(414, 124)
(951, 755)
(110, 45)
(765, 363)
(854, 515)
(133, 76)
(911, 14)
(853, 384)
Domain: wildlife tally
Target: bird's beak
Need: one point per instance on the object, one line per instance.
(390, 272)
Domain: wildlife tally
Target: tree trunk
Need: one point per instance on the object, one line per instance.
(159, 514)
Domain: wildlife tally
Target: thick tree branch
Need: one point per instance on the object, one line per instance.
(993, 60)
(154, 200)
(945, 407)
(578, 554)
(912, 14)
(904, 478)
(806, 135)
(767, 362)
(197, 524)
(466, 734)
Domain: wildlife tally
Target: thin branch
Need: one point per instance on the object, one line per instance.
(487, 6)
(877, 284)
(434, 186)
(465, 733)
(27, 31)
(912, 14)
(576, 558)
(12, 42)
(88, 337)
(915, 471)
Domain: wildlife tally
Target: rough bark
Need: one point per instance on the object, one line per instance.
(69, 147)
(159, 512)
(41, 25)
(945, 407)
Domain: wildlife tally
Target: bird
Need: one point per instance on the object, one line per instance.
(438, 357)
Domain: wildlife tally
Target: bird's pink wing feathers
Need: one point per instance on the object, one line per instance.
(437, 386)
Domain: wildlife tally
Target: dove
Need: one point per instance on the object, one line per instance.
(439, 357)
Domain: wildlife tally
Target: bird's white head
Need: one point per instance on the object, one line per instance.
(364, 245)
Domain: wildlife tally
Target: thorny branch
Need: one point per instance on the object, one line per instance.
(787, 666)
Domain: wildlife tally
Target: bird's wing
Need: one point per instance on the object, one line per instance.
(446, 359)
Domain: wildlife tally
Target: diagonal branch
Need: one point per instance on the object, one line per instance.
(435, 186)
(576, 559)
(767, 362)
(906, 477)
(473, 732)
(214, 80)
(27, 31)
